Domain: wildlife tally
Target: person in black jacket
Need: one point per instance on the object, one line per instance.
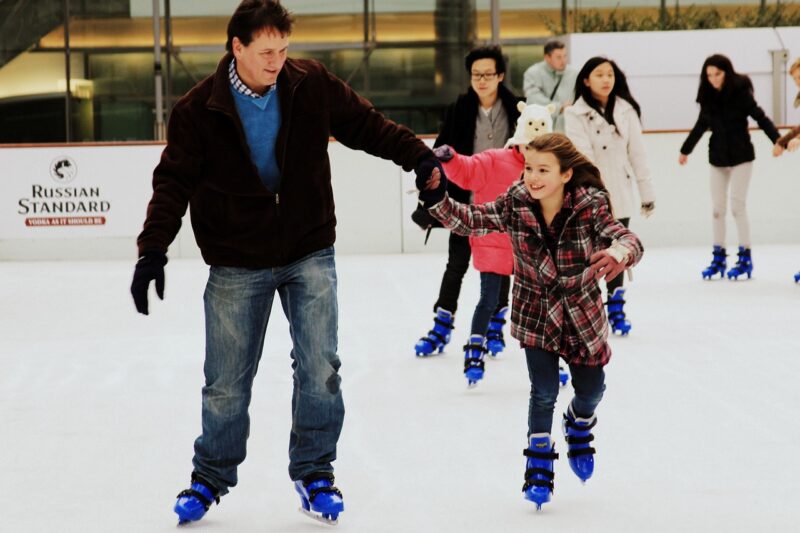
(726, 101)
(481, 119)
(247, 151)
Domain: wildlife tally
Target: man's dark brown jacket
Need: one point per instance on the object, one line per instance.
(206, 164)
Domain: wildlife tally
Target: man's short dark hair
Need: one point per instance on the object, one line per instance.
(486, 52)
(253, 16)
(549, 46)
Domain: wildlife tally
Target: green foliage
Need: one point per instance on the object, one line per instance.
(684, 18)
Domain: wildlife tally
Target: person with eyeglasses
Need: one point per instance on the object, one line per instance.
(551, 81)
(481, 119)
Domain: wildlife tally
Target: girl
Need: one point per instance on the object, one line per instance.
(489, 174)
(726, 100)
(604, 125)
(559, 220)
(791, 141)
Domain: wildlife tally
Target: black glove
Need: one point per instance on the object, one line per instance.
(444, 152)
(424, 170)
(149, 267)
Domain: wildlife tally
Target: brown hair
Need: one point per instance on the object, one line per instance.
(254, 16)
(584, 173)
(795, 65)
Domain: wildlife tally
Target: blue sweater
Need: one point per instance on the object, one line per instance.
(261, 118)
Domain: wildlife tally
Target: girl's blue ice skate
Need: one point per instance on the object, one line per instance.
(193, 502)
(616, 312)
(494, 335)
(744, 265)
(578, 433)
(473, 359)
(539, 475)
(320, 500)
(797, 278)
(718, 264)
(438, 337)
(563, 376)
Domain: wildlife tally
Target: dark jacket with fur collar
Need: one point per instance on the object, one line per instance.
(726, 116)
(206, 165)
(458, 128)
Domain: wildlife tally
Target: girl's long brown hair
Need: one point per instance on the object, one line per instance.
(584, 173)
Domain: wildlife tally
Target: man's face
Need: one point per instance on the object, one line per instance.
(260, 62)
(484, 77)
(557, 59)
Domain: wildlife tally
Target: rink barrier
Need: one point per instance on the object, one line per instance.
(88, 201)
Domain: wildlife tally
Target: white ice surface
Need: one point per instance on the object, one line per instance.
(99, 407)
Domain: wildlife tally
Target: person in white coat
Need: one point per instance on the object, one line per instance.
(604, 124)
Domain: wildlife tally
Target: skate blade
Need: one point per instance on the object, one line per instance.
(319, 518)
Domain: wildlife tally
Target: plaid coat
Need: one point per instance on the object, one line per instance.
(549, 290)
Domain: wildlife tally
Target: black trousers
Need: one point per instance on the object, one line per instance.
(617, 282)
(458, 256)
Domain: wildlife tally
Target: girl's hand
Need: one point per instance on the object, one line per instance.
(794, 144)
(682, 159)
(777, 150)
(603, 265)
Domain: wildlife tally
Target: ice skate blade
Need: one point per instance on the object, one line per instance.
(320, 518)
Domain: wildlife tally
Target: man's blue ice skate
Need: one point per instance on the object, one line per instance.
(539, 475)
(193, 502)
(578, 433)
(797, 278)
(744, 265)
(718, 264)
(616, 312)
(563, 376)
(473, 360)
(438, 337)
(320, 500)
(494, 335)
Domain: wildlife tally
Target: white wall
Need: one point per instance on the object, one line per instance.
(373, 209)
(663, 67)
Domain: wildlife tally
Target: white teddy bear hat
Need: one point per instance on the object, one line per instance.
(534, 120)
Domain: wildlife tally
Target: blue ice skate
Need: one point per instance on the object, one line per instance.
(578, 433)
(439, 336)
(494, 335)
(539, 474)
(473, 359)
(744, 265)
(563, 376)
(193, 502)
(320, 500)
(797, 278)
(718, 264)
(616, 312)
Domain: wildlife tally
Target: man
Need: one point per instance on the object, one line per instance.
(247, 151)
(551, 81)
(481, 119)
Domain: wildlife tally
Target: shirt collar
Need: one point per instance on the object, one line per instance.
(239, 85)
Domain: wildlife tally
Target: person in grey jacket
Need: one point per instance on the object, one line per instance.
(551, 81)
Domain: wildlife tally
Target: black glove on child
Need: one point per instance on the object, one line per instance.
(149, 267)
(443, 152)
(430, 197)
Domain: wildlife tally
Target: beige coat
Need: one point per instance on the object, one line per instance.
(618, 151)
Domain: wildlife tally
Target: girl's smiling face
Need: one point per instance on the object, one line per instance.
(543, 178)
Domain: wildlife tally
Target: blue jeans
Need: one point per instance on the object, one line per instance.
(238, 302)
(487, 304)
(588, 382)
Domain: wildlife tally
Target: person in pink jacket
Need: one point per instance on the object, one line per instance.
(489, 174)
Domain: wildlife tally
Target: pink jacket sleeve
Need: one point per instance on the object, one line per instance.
(470, 172)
